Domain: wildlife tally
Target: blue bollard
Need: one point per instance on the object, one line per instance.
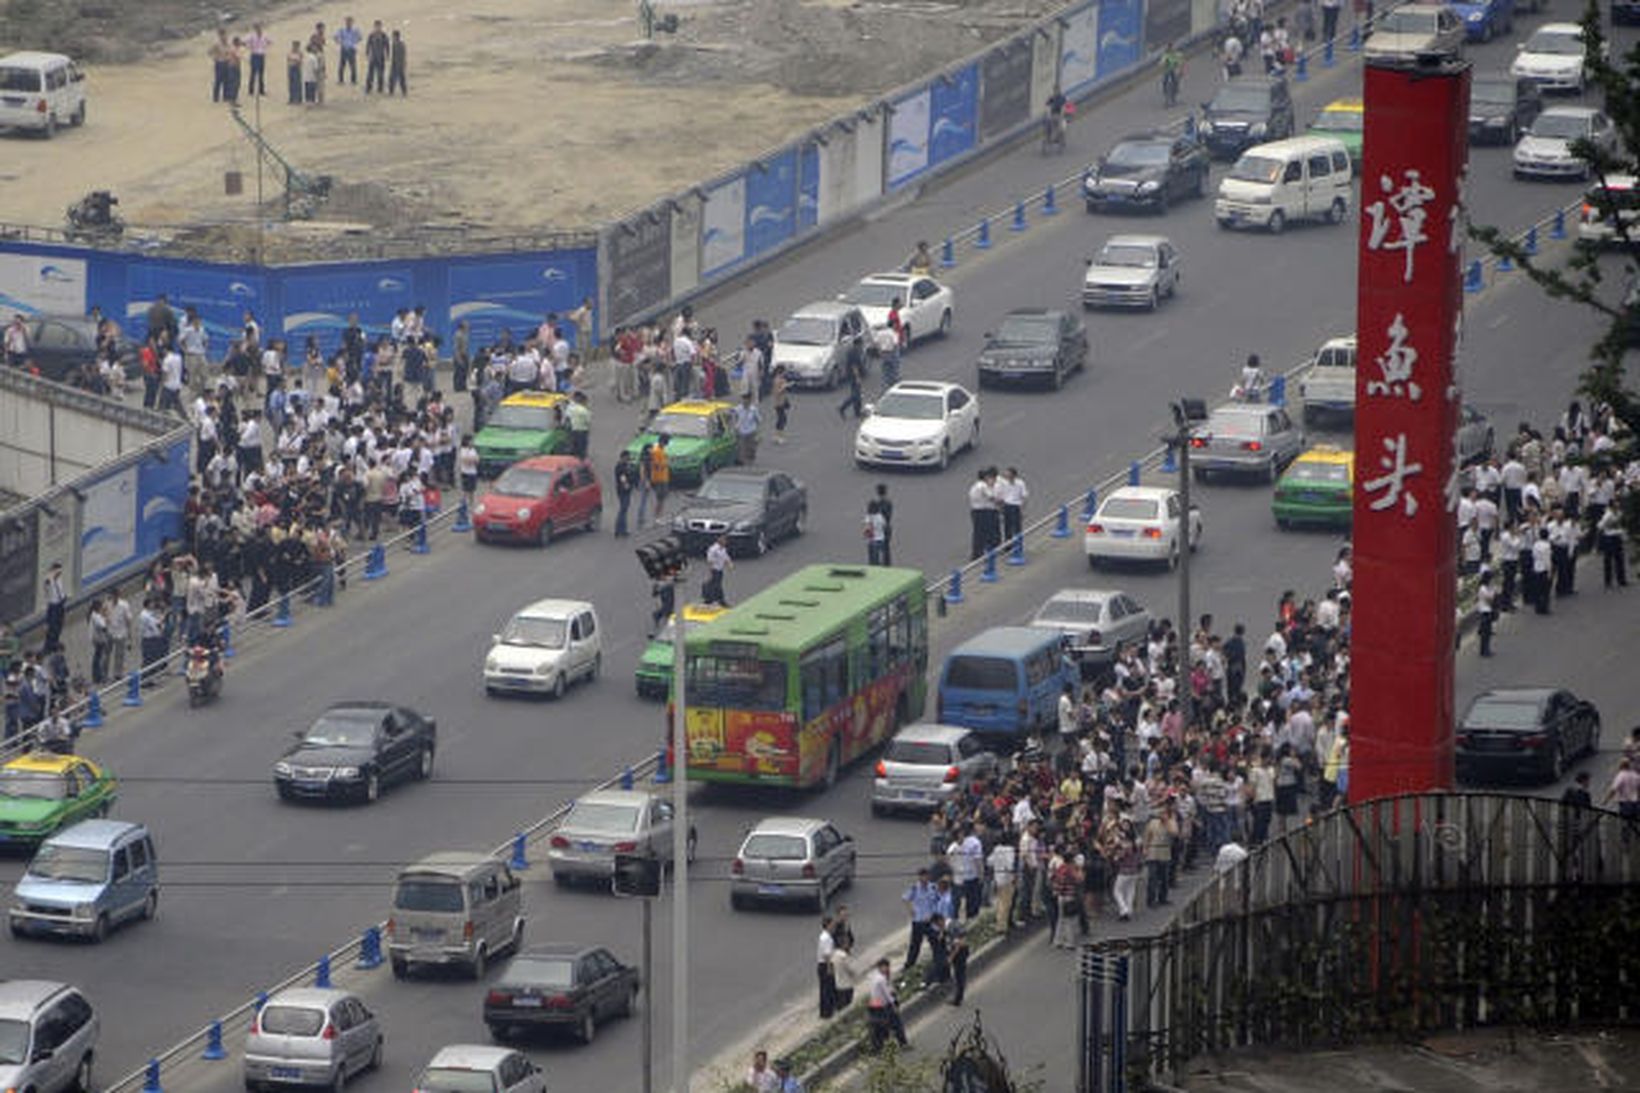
(281, 617)
(150, 1077)
(93, 718)
(984, 240)
(261, 1001)
(370, 949)
(1170, 461)
(662, 774)
(1355, 39)
(463, 522)
(1559, 229)
(1278, 390)
(1090, 504)
(1531, 246)
(1474, 280)
(948, 254)
(1049, 206)
(626, 778)
(321, 974)
(988, 574)
(1062, 526)
(1505, 264)
(1302, 73)
(1016, 551)
(228, 651)
(520, 860)
(953, 593)
(1133, 473)
(1019, 216)
(418, 545)
(213, 1043)
(1327, 57)
(375, 566)
(133, 688)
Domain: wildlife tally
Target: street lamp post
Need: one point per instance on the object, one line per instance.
(1186, 412)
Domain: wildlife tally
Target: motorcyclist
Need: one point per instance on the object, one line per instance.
(1172, 73)
(1251, 387)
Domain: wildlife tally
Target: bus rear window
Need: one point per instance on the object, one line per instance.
(736, 683)
(981, 674)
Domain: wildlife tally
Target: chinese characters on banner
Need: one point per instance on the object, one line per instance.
(1408, 310)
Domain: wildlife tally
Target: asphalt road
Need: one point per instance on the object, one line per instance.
(255, 889)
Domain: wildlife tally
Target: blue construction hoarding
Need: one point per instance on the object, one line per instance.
(954, 115)
(771, 202)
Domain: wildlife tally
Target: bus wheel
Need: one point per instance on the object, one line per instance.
(834, 763)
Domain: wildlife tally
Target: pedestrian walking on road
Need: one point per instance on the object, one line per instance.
(1609, 534)
(886, 508)
(854, 373)
(824, 946)
(922, 900)
(956, 943)
(845, 974)
(748, 423)
(1003, 864)
(1011, 494)
(1542, 571)
(1485, 611)
(876, 532)
(718, 563)
(626, 481)
(780, 392)
(398, 65)
(376, 48)
(660, 476)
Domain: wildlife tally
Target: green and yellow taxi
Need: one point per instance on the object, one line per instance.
(1342, 119)
(42, 792)
(700, 438)
(526, 424)
(654, 674)
(1316, 489)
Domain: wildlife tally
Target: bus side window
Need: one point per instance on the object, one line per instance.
(882, 654)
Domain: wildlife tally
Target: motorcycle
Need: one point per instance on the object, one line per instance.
(204, 675)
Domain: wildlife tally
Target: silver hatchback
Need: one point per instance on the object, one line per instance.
(924, 765)
(607, 822)
(1245, 438)
(1095, 622)
(791, 859)
(311, 1036)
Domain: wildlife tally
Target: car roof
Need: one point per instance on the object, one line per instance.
(615, 797)
(553, 609)
(923, 387)
(33, 57)
(309, 997)
(1008, 641)
(1570, 111)
(1560, 28)
(1352, 104)
(823, 309)
(370, 704)
(470, 1057)
(1253, 79)
(702, 612)
(534, 398)
(44, 762)
(1298, 146)
(929, 732)
(1344, 341)
(1081, 595)
(550, 462)
(1327, 453)
(1615, 183)
(1142, 493)
(697, 406)
(1239, 410)
(757, 473)
(1138, 240)
(1149, 136)
(21, 997)
(1521, 695)
(449, 861)
(1035, 313)
(786, 825)
(894, 278)
(94, 834)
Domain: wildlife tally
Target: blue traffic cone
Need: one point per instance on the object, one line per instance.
(1133, 473)
(419, 544)
(953, 592)
(228, 651)
(281, 617)
(520, 861)
(948, 254)
(1049, 206)
(375, 566)
(321, 973)
(261, 1002)
(93, 718)
(1170, 461)
(1354, 45)
(988, 575)
(150, 1077)
(213, 1043)
(1062, 526)
(1559, 229)
(370, 949)
(1278, 390)
(1302, 73)
(1474, 280)
(1016, 552)
(663, 774)
(463, 522)
(133, 688)
(984, 240)
(1019, 217)
(626, 778)
(1505, 264)
(1531, 246)
(1327, 57)
(1090, 504)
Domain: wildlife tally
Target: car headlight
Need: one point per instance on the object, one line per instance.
(524, 513)
(1258, 129)
(1498, 122)
(929, 443)
(742, 527)
(1263, 199)
(490, 664)
(1474, 17)
(478, 509)
(543, 669)
(347, 774)
(84, 910)
(1149, 187)
(282, 769)
(678, 523)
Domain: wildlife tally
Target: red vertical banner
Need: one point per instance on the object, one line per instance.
(1408, 314)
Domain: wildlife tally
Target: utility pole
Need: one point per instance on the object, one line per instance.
(648, 999)
(1186, 412)
(680, 863)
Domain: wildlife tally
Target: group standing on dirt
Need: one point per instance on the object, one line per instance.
(387, 62)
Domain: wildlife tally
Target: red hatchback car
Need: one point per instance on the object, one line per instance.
(535, 499)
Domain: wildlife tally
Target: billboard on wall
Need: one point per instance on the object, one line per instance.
(493, 295)
(41, 284)
(108, 525)
(1005, 88)
(162, 491)
(639, 252)
(908, 137)
(771, 202)
(221, 295)
(954, 114)
(1119, 28)
(319, 300)
(723, 226)
(54, 542)
(808, 187)
(1078, 49)
(1166, 21)
(19, 566)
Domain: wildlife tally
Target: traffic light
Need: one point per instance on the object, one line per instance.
(637, 875)
(663, 559)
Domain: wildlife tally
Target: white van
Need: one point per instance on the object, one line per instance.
(1303, 178)
(40, 91)
(1328, 387)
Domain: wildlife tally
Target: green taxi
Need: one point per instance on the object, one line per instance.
(1316, 489)
(526, 424)
(654, 674)
(700, 439)
(1342, 119)
(42, 793)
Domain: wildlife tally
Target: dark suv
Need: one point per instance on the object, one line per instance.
(1247, 110)
(1034, 345)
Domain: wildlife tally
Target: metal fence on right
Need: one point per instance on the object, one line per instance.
(1395, 917)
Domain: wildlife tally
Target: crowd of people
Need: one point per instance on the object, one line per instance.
(387, 62)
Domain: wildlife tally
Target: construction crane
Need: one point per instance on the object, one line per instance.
(303, 192)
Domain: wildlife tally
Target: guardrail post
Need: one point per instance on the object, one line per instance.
(1327, 57)
(1016, 552)
(1133, 473)
(1278, 390)
(953, 591)
(1049, 206)
(1354, 45)
(1170, 461)
(281, 617)
(1505, 264)
(370, 949)
(150, 1078)
(1019, 216)
(989, 574)
(948, 254)
(321, 973)
(1531, 240)
(93, 718)
(133, 688)
(1559, 230)
(984, 240)
(463, 522)
(261, 1000)
(375, 566)
(663, 773)
(1062, 526)
(520, 860)
(1474, 280)
(626, 778)
(419, 544)
(1303, 71)
(1090, 504)
(213, 1043)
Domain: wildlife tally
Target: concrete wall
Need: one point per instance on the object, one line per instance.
(50, 434)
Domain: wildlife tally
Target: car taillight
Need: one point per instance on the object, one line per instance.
(1252, 446)
(329, 1033)
(560, 1002)
(558, 842)
(952, 774)
(40, 107)
(498, 998)
(1534, 740)
(808, 869)
(1589, 213)
(882, 769)
(467, 930)
(1096, 529)
(1152, 533)
(392, 929)
(738, 867)
(256, 1027)
(627, 847)
(1198, 442)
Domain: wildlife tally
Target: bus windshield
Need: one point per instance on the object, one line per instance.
(736, 683)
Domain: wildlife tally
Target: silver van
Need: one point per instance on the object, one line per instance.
(87, 879)
(48, 1037)
(314, 1036)
(40, 91)
(455, 907)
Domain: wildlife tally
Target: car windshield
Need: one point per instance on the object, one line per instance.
(1150, 153)
(342, 730)
(806, 331)
(1341, 120)
(1027, 329)
(776, 847)
(1220, 424)
(52, 862)
(1492, 92)
(523, 417)
(1057, 611)
(872, 294)
(1129, 255)
(737, 683)
(1256, 169)
(519, 482)
(538, 633)
(428, 895)
(1558, 42)
(1408, 20)
(33, 785)
(903, 404)
(696, 425)
(13, 1041)
(541, 971)
(1502, 713)
(1240, 100)
(919, 752)
(1129, 508)
(731, 488)
(279, 1020)
(445, 1079)
(976, 673)
(603, 816)
(1560, 126)
(1315, 471)
(13, 78)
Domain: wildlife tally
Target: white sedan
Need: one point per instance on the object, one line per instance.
(918, 423)
(1546, 149)
(925, 304)
(1141, 524)
(1552, 58)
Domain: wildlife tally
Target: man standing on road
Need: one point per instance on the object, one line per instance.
(717, 563)
(1485, 610)
(195, 344)
(1625, 791)
(824, 946)
(966, 855)
(885, 508)
(883, 1007)
(922, 899)
(376, 49)
(56, 605)
(579, 417)
(1002, 861)
(748, 421)
(16, 341)
(258, 43)
(170, 379)
(1542, 571)
(398, 64)
(1609, 534)
(347, 51)
(626, 481)
(1011, 495)
(982, 514)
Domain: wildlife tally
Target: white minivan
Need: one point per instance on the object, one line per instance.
(40, 91)
(1271, 185)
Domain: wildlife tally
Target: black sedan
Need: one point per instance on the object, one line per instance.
(1535, 731)
(1147, 171)
(60, 344)
(1502, 107)
(560, 986)
(754, 507)
(354, 749)
(1034, 344)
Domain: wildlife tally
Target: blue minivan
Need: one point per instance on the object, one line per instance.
(87, 879)
(1006, 681)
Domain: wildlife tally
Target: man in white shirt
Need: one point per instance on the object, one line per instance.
(883, 1007)
(966, 856)
(824, 946)
(717, 563)
(982, 514)
(1513, 475)
(170, 371)
(1542, 571)
(1002, 861)
(1011, 494)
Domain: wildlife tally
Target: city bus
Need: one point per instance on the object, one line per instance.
(806, 676)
